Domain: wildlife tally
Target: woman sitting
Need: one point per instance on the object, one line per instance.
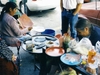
(7, 59)
(11, 31)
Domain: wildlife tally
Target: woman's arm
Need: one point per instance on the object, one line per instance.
(16, 29)
(77, 8)
(61, 4)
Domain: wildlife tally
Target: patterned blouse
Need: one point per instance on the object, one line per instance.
(5, 52)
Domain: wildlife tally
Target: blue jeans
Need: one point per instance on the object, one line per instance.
(69, 20)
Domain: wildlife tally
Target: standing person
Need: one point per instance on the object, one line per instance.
(11, 32)
(69, 13)
(86, 29)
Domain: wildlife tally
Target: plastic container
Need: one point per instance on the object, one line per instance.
(49, 32)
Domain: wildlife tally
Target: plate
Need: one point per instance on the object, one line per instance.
(39, 39)
(54, 51)
(25, 38)
(50, 38)
(52, 43)
(49, 43)
(38, 28)
(71, 58)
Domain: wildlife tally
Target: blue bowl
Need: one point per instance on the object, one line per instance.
(49, 32)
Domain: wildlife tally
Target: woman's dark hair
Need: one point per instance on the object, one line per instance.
(6, 8)
(83, 23)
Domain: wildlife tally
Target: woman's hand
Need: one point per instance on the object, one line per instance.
(14, 58)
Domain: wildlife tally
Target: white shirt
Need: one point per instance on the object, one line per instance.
(71, 4)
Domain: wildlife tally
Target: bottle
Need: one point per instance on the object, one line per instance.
(91, 54)
(66, 39)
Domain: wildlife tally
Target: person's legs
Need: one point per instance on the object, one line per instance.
(73, 21)
(65, 22)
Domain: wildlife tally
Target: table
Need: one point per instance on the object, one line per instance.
(40, 42)
(41, 51)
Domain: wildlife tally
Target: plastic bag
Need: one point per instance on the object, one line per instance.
(81, 47)
(97, 46)
(85, 42)
(73, 43)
